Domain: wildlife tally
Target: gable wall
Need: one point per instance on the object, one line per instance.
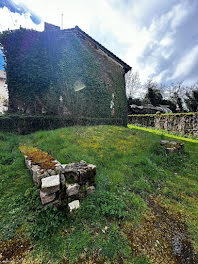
(112, 73)
(44, 66)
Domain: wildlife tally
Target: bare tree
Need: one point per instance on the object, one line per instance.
(176, 93)
(133, 84)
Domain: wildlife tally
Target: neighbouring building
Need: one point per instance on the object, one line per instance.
(3, 91)
(63, 72)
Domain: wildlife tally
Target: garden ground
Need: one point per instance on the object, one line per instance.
(144, 209)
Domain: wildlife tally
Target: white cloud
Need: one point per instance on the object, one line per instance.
(145, 34)
(166, 41)
(186, 64)
(162, 54)
(191, 81)
(9, 20)
(159, 77)
(180, 12)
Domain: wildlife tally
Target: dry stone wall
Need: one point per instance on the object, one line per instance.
(184, 123)
(61, 183)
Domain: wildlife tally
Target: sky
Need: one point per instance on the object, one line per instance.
(157, 38)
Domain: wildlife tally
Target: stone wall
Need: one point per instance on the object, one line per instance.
(184, 123)
(59, 184)
(113, 76)
(63, 72)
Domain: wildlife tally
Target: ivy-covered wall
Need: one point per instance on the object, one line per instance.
(60, 72)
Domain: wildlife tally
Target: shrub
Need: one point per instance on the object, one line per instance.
(110, 205)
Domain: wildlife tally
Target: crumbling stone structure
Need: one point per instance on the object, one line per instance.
(62, 183)
(172, 146)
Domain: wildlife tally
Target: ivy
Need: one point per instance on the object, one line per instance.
(43, 67)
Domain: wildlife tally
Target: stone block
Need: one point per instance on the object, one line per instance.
(49, 171)
(164, 142)
(82, 162)
(39, 178)
(53, 172)
(92, 173)
(46, 174)
(74, 205)
(62, 179)
(28, 163)
(73, 189)
(35, 167)
(50, 184)
(90, 189)
(92, 167)
(47, 198)
(84, 176)
(58, 169)
(35, 173)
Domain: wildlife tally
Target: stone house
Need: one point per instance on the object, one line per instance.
(3, 92)
(2, 81)
(63, 72)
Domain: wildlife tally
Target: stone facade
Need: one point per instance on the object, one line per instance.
(63, 183)
(3, 91)
(184, 123)
(66, 72)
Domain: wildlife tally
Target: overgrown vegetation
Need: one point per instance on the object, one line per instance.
(57, 72)
(130, 167)
(26, 124)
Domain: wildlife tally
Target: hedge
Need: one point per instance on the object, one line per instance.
(27, 124)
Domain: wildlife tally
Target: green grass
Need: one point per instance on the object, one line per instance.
(131, 166)
(172, 135)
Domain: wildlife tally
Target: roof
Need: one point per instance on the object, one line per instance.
(50, 27)
(2, 74)
(109, 53)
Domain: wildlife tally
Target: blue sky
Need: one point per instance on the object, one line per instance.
(158, 38)
(1, 61)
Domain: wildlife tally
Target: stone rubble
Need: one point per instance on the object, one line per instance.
(172, 146)
(63, 183)
(74, 205)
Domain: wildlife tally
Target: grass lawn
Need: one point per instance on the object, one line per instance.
(144, 209)
(171, 134)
